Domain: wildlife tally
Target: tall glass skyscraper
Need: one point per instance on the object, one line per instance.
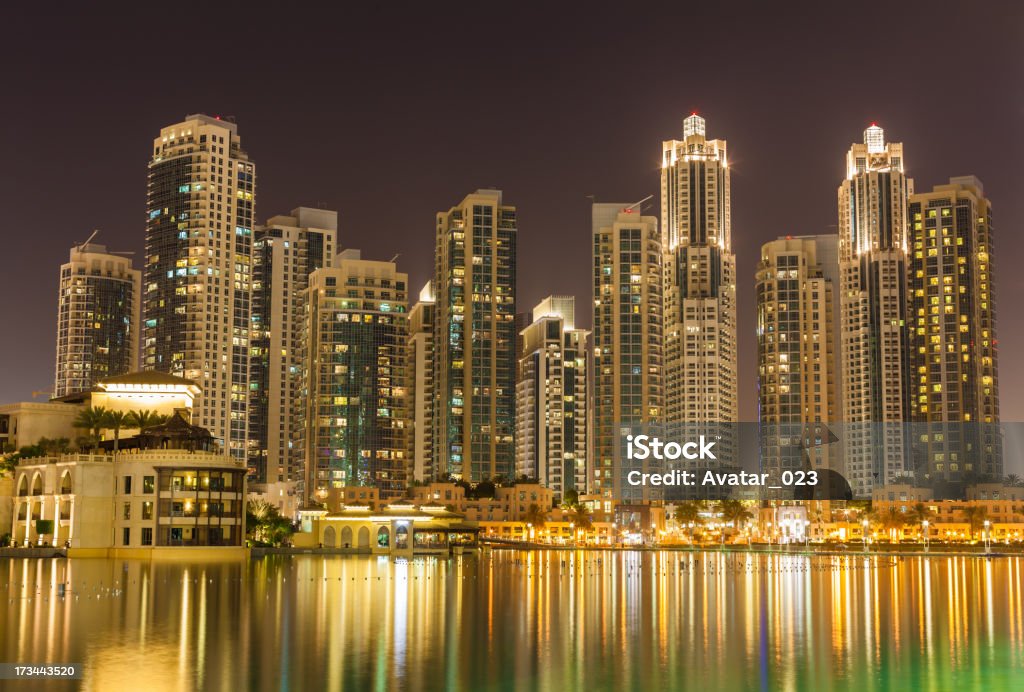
(873, 306)
(198, 270)
(97, 318)
(475, 338)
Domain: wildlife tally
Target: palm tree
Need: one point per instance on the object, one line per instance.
(687, 514)
(91, 420)
(974, 515)
(535, 516)
(115, 420)
(735, 512)
(142, 419)
(891, 520)
(580, 516)
(1013, 480)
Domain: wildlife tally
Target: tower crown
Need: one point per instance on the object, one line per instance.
(693, 125)
(874, 137)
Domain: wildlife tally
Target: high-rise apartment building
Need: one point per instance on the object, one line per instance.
(627, 327)
(475, 338)
(353, 425)
(97, 318)
(420, 388)
(955, 386)
(873, 303)
(796, 369)
(552, 397)
(700, 279)
(197, 279)
(286, 250)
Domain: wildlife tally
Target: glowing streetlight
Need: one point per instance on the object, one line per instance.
(864, 533)
(924, 525)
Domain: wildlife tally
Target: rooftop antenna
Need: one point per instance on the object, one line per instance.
(637, 204)
(94, 234)
(395, 257)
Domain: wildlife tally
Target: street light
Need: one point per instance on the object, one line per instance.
(807, 532)
(864, 533)
(988, 536)
(925, 525)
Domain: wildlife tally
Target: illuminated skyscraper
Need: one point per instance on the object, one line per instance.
(700, 279)
(197, 282)
(97, 318)
(796, 376)
(551, 399)
(628, 366)
(420, 388)
(873, 305)
(475, 338)
(354, 420)
(285, 252)
(953, 346)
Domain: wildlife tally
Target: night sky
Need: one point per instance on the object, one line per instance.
(390, 115)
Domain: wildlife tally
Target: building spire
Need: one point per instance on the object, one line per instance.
(874, 137)
(693, 125)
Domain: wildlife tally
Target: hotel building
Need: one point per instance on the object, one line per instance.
(353, 426)
(286, 250)
(475, 338)
(628, 319)
(420, 389)
(552, 398)
(796, 371)
(198, 269)
(873, 306)
(700, 279)
(97, 318)
(953, 346)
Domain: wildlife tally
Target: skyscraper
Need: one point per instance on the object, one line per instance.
(628, 365)
(953, 346)
(873, 303)
(354, 420)
(700, 279)
(97, 318)
(475, 338)
(420, 388)
(198, 271)
(796, 369)
(286, 250)
(552, 397)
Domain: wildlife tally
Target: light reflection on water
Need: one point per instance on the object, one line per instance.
(522, 620)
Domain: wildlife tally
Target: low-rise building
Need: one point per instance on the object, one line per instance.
(399, 529)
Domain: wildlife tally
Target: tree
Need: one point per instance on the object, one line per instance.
(687, 515)
(580, 517)
(484, 489)
(115, 420)
(535, 515)
(891, 520)
(918, 514)
(92, 421)
(570, 498)
(975, 516)
(1013, 480)
(735, 512)
(143, 419)
(264, 523)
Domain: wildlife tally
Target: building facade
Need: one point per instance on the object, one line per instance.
(700, 279)
(354, 423)
(873, 303)
(796, 369)
(475, 338)
(98, 309)
(628, 330)
(198, 270)
(953, 345)
(420, 388)
(552, 399)
(286, 250)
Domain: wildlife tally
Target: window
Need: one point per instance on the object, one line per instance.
(148, 483)
(127, 485)
(126, 536)
(127, 511)
(147, 536)
(147, 510)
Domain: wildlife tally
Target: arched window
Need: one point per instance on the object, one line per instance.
(37, 484)
(383, 537)
(402, 537)
(23, 486)
(65, 483)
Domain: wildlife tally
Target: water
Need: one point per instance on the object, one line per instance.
(522, 620)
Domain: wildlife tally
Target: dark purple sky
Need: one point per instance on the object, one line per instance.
(391, 115)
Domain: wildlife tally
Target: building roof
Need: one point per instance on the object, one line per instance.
(150, 377)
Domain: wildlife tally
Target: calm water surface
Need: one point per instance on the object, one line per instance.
(522, 620)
